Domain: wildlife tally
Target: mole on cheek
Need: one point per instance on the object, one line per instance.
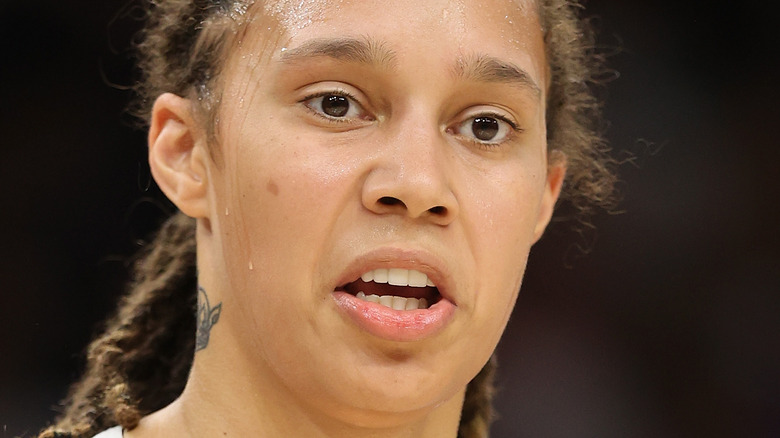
(272, 187)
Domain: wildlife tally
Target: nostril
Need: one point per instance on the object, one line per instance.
(438, 210)
(389, 200)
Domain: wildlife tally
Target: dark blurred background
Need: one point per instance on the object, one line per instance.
(668, 327)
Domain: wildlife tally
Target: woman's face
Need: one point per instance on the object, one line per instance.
(373, 139)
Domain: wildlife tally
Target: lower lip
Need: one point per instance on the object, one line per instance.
(395, 325)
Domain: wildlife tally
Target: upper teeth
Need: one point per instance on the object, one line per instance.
(398, 277)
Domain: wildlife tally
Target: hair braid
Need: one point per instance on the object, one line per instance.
(477, 413)
(140, 363)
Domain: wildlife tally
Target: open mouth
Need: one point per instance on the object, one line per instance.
(399, 289)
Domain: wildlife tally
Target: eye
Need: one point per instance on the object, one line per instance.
(486, 129)
(335, 106)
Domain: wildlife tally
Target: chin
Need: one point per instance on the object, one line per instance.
(399, 390)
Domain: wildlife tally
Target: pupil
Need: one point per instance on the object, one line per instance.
(485, 128)
(335, 106)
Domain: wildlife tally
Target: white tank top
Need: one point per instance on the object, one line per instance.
(114, 432)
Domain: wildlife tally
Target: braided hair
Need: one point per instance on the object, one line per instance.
(141, 361)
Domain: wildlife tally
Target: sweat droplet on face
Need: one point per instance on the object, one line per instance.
(295, 14)
(251, 266)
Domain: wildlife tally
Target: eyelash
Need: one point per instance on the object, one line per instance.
(341, 93)
(484, 145)
(509, 122)
(488, 145)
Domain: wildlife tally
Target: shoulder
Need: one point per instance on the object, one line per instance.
(114, 432)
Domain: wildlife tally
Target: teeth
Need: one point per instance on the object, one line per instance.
(373, 298)
(399, 303)
(418, 279)
(380, 276)
(394, 302)
(398, 277)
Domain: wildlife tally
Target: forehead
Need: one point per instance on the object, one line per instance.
(503, 29)
(297, 13)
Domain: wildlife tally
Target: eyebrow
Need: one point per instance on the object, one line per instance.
(366, 51)
(483, 68)
(478, 68)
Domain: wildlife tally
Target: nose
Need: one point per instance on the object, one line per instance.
(410, 177)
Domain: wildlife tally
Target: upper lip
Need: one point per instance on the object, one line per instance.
(393, 257)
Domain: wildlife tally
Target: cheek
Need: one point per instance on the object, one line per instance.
(271, 228)
(505, 211)
(282, 197)
(501, 229)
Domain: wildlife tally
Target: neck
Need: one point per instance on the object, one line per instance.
(226, 397)
(224, 404)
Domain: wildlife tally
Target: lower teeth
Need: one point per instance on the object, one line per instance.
(394, 302)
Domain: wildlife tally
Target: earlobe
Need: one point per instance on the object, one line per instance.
(177, 155)
(556, 172)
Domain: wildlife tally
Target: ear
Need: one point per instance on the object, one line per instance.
(177, 155)
(556, 172)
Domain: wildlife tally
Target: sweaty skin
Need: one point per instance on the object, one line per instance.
(353, 137)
